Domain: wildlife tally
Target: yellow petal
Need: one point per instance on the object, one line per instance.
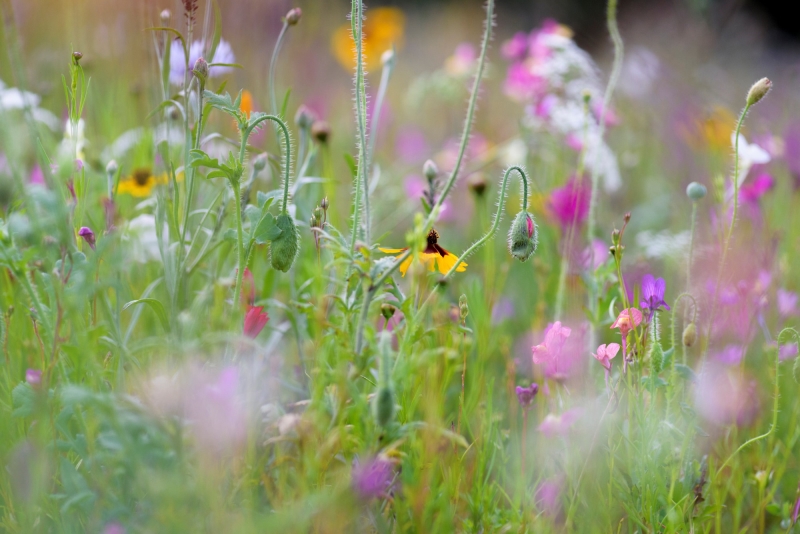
(447, 261)
(406, 264)
(392, 250)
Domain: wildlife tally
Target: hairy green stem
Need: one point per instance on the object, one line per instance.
(273, 61)
(357, 23)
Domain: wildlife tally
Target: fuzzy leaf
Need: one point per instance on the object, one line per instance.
(267, 230)
(24, 399)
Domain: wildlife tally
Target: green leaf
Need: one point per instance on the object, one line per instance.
(222, 102)
(264, 200)
(156, 306)
(285, 102)
(267, 230)
(198, 158)
(24, 399)
(252, 213)
(685, 372)
(774, 509)
(351, 164)
(229, 235)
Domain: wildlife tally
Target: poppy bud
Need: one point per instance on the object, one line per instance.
(689, 335)
(305, 117)
(200, 69)
(696, 191)
(283, 249)
(430, 170)
(260, 162)
(293, 16)
(758, 91)
(523, 237)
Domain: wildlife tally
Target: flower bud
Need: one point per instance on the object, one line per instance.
(523, 237)
(305, 117)
(283, 249)
(696, 191)
(324, 204)
(615, 236)
(758, 91)
(86, 233)
(656, 358)
(260, 162)
(627, 217)
(463, 308)
(200, 69)
(112, 167)
(430, 170)
(76, 56)
(321, 131)
(293, 16)
(387, 58)
(165, 16)
(689, 335)
(477, 183)
(387, 310)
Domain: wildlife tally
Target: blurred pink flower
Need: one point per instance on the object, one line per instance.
(373, 478)
(254, 321)
(462, 61)
(114, 528)
(503, 309)
(559, 425)
(214, 409)
(787, 303)
(730, 355)
(595, 255)
(33, 377)
(554, 340)
(548, 496)
(788, 351)
(410, 145)
(522, 84)
(177, 65)
(751, 191)
(37, 176)
(525, 395)
(570, 203)
(791, 140)
(515, 48)
(724, 396)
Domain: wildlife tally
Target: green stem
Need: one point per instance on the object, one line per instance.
(357, 21)
(239, 243)
(271, 82)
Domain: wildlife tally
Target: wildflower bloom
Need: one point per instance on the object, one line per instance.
(554, 341)
(33, 377)
(653, 295)
(627, 320)
(559, 425)
(462, 61)
(383, 29)
(434, 256)
(525, 395)
(140, 183)
(569, 204)
(86, 233)
(787, 302)
(725, 395)
(606, 353)
(177, 65)
(373, 478)
(749, 154)
(254, 321)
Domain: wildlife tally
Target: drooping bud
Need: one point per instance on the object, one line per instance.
(86, 233)
(430, 170)
(689, 335)
(293, 16)
(387, 310)
(383, 406)
(321, 131)
(200, 69)
(523, 236)
(260, 162)
(283, 249)
(305, 117)
(758, 91)
(696, 191)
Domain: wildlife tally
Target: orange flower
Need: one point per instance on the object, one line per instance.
(434, 256)
(383, 27)
(713, 131)
(246, 104)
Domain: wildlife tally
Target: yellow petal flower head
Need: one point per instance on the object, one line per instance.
(435, 257)
(140, 183)
(383, 27)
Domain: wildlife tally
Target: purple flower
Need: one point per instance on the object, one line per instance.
(522, 84)
(570, 203)
(787, 351)
(37, 176)
(86, 233)
(753, 190)
(525, 395)
(787, 302)
(410, 146)
(548, 496)
(33, 377)
(730, 355)
(796, 511)
(653, 295)
(372, 478)
(177, 67)
(502, 310)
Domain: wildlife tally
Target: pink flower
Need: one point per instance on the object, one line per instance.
(787, 303)
(87, 235)
(554, 340)
(522, 84)
(33, 377)
(462, 60)
(37, 176)
(548, 496)
(559, 425)
(373, 478)
(606, 353)
(410, 146)
(626, 322)
(515, 48)
(751, 191)
(570, 203)
(525, 395)
(254, 321)
(724, 396)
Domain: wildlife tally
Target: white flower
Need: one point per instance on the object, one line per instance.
(663, 244)
(140, 234)
(749, 155)
(514, 153)
(639, 72)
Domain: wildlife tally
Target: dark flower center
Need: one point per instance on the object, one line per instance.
(141, 176)
(433, 237)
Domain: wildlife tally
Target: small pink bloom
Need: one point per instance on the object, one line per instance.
(570, 203)
(37, 176)
(606, 353)
(86, 233)
(725, 396)
(787, 302)
(554, 341)
(626, 323)
(33, 377)
(254, 321)
(559, 425)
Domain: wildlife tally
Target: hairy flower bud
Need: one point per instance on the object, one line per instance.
(293, 16)
(696, 191)
(200, 69)
(305, 117)
(689, 335)
(656, 358)
(523, 237)
(430, 170)
(260, 162)
(283, 249)
(758, 91)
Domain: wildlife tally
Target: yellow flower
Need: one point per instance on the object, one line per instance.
(140, 183)
(383, 27)
(435, 257)
(713, 131)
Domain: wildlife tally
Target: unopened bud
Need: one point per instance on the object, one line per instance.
(304, 117)
(86, 233)
(200, 69)
(112, 167)
(165, 16)
(696, 191)
(615, 236)
(283, 249)
(689, 335)
(656, 358)
(321, 131)
(758, 91)
(260, 162)
(387, 58)
(523, 237)
(463, 308)
(324, 204)
(313, 222)
(387, 310)
(627, 217)
(318, 212)
(477, 184)
(430, 170)
(76, 56)
(293, 16)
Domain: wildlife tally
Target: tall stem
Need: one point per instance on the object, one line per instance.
(239, 244)
(273, 61)
(357, 22)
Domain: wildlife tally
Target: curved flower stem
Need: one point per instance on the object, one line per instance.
(357, 22)
(727, 242)
(369, 293)
(776, 395)
(273, 61)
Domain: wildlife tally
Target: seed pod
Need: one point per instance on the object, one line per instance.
(523, 237)
(696, 191)
(283, 249)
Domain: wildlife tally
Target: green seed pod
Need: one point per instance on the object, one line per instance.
(283, 250)
(523, 237)
(689, 335)
(463, 307)
(656, 358)
(696, 191)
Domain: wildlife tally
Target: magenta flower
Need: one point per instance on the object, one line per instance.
(525, 395)
(33, 377)
(787, 303)
(570, 203)
(37, 176)
(554, 340)
(652, 295)
(606, 353)
(254, 321)
(522, 84)
(548, 496)
(114, 528)
(86, 233)
(730, 355)
(796, 512)
(751, 191)
(373, 478)
(515, 48)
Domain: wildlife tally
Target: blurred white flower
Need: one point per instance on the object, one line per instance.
(639, 71)
(140, 234)
(749, 155)
(663, 244)
(13, 98)
(514, 153)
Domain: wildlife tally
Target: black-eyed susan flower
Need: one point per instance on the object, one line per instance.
(435, 257)
(383, 28)
(140, 183)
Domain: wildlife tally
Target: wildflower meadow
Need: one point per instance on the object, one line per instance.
(408, 267)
